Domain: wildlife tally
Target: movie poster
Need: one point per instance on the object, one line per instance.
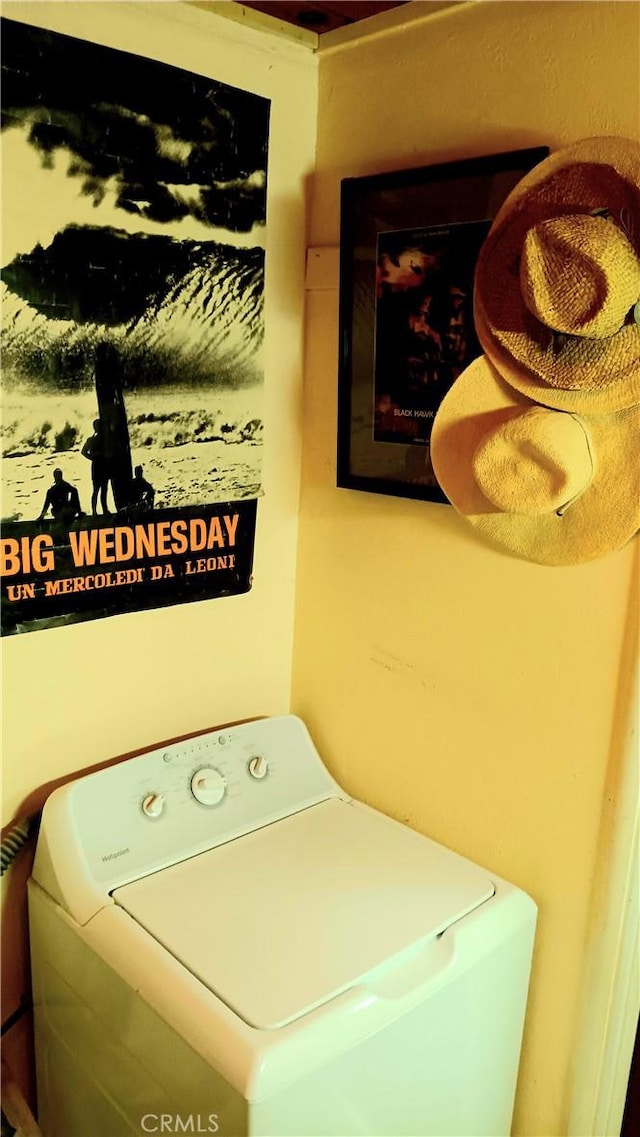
(424, 330)
(133, 233)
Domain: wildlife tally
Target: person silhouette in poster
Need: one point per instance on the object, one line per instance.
(427, 340)
(63, 500)
(457, 334)
(95, 450)
(142, 492)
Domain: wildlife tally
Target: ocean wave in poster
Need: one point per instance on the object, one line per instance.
(176, 311)
(185, 324)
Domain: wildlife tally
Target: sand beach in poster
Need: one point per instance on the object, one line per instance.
(133, 233)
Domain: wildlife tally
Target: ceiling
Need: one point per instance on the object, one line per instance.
(319, 17)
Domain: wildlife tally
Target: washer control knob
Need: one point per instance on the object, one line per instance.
(258, 766)
(153, 805)
(208, 786)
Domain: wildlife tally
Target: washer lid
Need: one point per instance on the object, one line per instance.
(279, 921)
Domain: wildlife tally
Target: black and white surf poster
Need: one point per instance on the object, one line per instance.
(133, 235)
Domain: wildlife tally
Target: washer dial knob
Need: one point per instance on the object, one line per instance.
(208, 786)
(258, 766)
(153, 805)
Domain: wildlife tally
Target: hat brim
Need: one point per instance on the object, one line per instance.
(602, 519)
(586, 376)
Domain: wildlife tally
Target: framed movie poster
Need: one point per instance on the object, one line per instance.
(409, 244)
(133, 235)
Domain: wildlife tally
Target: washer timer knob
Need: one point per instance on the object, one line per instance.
(258, 766)
(153, 805)
(208, 786)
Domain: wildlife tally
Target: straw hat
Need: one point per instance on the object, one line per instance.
(550, 486)
(557, 284)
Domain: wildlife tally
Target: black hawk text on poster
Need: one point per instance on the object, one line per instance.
(424, 331)
(133, 234)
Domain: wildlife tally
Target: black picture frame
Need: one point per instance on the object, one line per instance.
(409, 241)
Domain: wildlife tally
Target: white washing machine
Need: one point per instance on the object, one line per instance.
(224, 942)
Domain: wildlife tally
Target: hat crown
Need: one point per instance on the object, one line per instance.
(593, 366)
(579, 275)
(537, 462)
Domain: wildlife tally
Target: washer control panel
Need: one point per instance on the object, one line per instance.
(175, 801)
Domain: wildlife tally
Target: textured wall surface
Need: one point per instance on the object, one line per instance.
(468, 693)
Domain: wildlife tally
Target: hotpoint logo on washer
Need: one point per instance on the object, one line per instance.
(175, 1123)
(118, 853)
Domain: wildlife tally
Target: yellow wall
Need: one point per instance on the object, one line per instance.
(470, 694)
(77, 695)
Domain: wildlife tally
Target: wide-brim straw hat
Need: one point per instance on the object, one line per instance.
(558, 278)
(549, 486)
